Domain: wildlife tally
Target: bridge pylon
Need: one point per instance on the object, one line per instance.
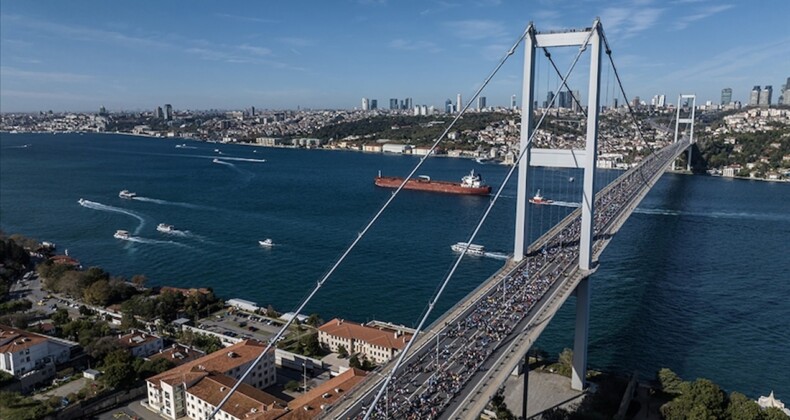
(561, 158)
(687, 121)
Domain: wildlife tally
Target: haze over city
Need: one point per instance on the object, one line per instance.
(80, 55)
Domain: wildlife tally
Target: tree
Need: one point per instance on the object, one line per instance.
(271, 313)
(98, 293)
(152, 367)
(742, 408)
(310, 345)
(100, 348)
(354, 362)
(118, 370)
(313, 320)
(670, 381)
(292, 385)
(139, 280)
(341, 350)
(773, 413)
(699, 399)
(566, 362)
(60, 317)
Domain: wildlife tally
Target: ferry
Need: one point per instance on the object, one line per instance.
(121, 234)
(538, 199)
(127, 194)
(165, 228)
(266, 243)
(474, 249)
(82, 201)
(471, 184)
(216, 161)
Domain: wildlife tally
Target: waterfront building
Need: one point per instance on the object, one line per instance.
(754, 97)
(167, 391)
(159, 114)
(168, 112)
(365, 104)
(378, 344)
(765, 96)
(726, 96)
(393, 103)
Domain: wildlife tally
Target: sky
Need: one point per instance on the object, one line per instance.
(127, 55)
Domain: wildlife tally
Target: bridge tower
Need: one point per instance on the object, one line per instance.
(686, 121)
(580, 158)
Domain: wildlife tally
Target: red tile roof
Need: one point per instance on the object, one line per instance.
(382, 338)
(309, 405)
(13, 340)
(220, 361)
(246, 402)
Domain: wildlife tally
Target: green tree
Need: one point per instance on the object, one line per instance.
(98, 293)
(310, 345)
(118, 369)
(701, 398)
(742, 408)
(292, 386)
(565, 362)
(354, 362)
(669, 380)
(60, 317)
(341, 350)
(774, 413)
(152, 367)
(99, 349)
(313, 320)
(139, 280)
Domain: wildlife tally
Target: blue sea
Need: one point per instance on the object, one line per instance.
(697, 280)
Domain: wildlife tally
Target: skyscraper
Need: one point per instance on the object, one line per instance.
(726, 96)
(393, 103)
(374, 104)
(459, 104)
(513, 102)
(448, 106)
(549, 98)
(168, 112)
(365, 104)
(786, 94)
(754, 98)
(481, 103)
(409, 103)
(765, 96)
(159, 114)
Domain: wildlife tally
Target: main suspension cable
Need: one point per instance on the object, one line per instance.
(438, 294)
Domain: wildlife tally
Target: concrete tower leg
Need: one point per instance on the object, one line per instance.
(578, 375)
(527, 126)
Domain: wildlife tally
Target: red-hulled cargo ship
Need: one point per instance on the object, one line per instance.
(471, 184)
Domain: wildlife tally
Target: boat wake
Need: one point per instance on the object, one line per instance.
(141, 240)
(496, 255)
(238, 159)
(171, 203)
(103, 207)
(564, 204)
(771, 217)
(24, 146)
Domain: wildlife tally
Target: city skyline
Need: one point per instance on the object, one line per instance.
(80, 56)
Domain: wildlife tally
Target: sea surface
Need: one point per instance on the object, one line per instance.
(698, 279)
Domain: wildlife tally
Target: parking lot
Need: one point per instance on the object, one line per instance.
(241, 325)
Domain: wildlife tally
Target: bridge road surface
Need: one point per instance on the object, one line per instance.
(476, 364)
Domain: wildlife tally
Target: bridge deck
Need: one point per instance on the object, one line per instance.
(462, 385)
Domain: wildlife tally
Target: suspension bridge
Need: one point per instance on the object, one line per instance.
(453, 367)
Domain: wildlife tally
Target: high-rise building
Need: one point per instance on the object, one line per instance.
(409, 103)
(402, 104)
(393, 103)
(252, 111)
(158, 113)
(549, 98)
(786, 93)
(513, 102)
(726, 96)
(374, 104)
(365, 104)
(448, 106)
(576, 104)
(481, 103)
(754, 98)
(102, 110)
(168, 112)
(459, 104)
(765, 96)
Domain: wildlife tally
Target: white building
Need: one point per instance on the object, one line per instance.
(141, 344)
(167, 391)
(22, 352)
(245, 305)
(396, 148)
(378, 344)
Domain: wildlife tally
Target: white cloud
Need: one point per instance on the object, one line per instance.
(259, 51)
(245, 18)
(686, 20)
(629, 21)
(42, 76)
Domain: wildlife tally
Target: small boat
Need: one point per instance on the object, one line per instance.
(82, 201)
(121, 234)
(178, 146)
(266, 243)
(216, 151)
(165, 228)
(127, 194)
(538, 199)
(216, 161)
(474, 249)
